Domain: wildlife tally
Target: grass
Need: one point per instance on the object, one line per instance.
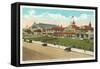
(76, 43)
(85, 44)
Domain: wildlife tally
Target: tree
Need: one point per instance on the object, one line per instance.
(28, 31)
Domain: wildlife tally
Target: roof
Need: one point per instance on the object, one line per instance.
(75, 26)
(38, 30)
(57, 28)
(64, 33)
(86, 27)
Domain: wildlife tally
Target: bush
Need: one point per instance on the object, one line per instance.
(24, 40)
(30, 41)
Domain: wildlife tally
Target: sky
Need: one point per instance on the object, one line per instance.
(57, 16)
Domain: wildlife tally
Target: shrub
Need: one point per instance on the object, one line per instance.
(30, 41)
(24, 40)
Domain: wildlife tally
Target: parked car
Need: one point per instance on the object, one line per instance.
(44, 44)
(68, 49)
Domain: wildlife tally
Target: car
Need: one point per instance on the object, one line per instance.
(68, 49)
(44, 44)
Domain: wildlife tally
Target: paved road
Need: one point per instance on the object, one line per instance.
(34, 51)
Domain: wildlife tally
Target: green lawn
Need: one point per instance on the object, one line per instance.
(82, 44)
(76, 43)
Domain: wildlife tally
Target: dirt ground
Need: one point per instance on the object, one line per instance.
(33, 51)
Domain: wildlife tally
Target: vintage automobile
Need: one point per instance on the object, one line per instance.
(44, 44)
(68, 49)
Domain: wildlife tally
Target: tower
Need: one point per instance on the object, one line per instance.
(73, 21)
(34, 23)
(89, 24)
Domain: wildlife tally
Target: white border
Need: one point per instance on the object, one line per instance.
(50, 60)
(79, 9)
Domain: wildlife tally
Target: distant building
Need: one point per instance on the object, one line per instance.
(71, 31)
(86, 32)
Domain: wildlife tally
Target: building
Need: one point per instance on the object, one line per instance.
(86, 32)
(72, 31)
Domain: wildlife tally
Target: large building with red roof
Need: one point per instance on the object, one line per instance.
(70, 31)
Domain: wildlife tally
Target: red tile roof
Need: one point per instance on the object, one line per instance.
(58, 28)
(86, 27)
(38, 30)
(75, 26)
(64, 33)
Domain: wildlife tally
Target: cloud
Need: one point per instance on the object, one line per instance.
(57, 19)
(57, 16)
(28, 19)
(30, 13)
(83, 16)
(83, 19)
(51, 18)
